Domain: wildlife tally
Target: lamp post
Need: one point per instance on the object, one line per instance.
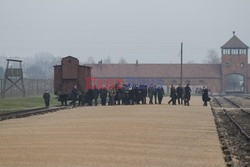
(181, 62)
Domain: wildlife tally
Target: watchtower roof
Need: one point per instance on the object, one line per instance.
(234, 43)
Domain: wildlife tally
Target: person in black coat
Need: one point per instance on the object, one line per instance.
(187, 95)
(89, 97)
(123, 94)
(95, 94)
(119, 93)
(46, 97)
(179, 91)
(205, 97)
(82, 98)
(103, 95)
(137, 94)
(144, 94)
(173, 95)
(160, 92)
(155, 94)
(141, 93)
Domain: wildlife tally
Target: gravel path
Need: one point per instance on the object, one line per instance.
(116, 136)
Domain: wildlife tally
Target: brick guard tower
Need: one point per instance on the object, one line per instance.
(234, 66)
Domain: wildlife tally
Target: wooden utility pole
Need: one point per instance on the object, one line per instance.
(181, 62)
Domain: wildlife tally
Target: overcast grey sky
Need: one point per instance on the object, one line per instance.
(148, 30)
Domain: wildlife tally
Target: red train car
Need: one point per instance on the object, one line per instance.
(69, 74)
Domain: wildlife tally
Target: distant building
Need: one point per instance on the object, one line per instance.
(231, 76)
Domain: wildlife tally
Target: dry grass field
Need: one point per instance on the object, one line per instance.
(114, 136)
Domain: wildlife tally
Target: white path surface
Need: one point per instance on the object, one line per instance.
(116, 136)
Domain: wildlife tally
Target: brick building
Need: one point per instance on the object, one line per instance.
(231, 76)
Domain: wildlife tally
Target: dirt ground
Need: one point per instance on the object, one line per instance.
(114, 136)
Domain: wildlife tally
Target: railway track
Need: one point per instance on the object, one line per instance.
(236, 114)
(29, 112)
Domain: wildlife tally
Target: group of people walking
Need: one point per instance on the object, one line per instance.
(131, 94)
(181, 94)
(122, 95)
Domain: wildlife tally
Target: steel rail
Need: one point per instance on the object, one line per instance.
(232, 102)
(29, 112)
(232, 119)
(218, 102)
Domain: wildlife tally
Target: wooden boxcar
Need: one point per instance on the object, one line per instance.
(69, 74)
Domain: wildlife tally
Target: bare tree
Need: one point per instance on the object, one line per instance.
(35, 72)
(212, 57)
(41, 65)
(90, 60)
(107, 60)
(122, 61)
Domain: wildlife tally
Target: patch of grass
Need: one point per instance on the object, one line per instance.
(16, 104)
